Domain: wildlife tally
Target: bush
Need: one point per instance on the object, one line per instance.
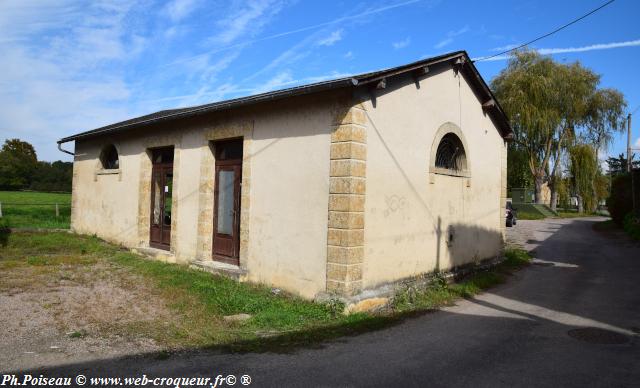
(632, 226)
(619, 202)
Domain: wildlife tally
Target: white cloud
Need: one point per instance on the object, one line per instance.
(359, 16)
(68, 66)
(600, 46)
(401, 44)
(279, 80)
(506, 47)
(443, 43)
(451, 35)
(593, 47)
(637, 143)
(228, 90)
(293, 54)
(61, 69)
(285, 79)
(177, 10)
(330, 40)
(247, 19)
(348, 55)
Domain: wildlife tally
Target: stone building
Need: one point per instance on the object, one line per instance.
(339, 187)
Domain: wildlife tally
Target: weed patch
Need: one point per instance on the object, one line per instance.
(440, 293)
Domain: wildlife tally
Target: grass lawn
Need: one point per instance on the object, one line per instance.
(525, 215)
(190, 304)
(573, 213)
(28, 209)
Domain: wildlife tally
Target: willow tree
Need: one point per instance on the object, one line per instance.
(527, 91)
(576, 86)
(551, 107)
(604, 117)
(584, 171)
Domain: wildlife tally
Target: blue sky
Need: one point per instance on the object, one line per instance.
(69, 66)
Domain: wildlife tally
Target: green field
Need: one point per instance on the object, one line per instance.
(29, 209)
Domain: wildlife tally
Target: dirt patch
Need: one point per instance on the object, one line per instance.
(63, 314)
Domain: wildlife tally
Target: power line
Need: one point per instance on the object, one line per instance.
(635, 110)
(548, 34)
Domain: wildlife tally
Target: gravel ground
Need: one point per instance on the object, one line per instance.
(528, 234)
(80, 313)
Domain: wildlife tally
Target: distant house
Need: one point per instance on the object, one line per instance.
(335, 187)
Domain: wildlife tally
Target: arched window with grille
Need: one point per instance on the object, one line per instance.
(449, 153)
(109, 158)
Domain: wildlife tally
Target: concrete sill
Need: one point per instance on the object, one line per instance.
(108, 172)
(159, 254)
(217, 268)
(446, 171)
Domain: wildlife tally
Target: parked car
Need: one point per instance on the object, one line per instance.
(511, 215)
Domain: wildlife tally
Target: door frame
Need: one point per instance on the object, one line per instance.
(219, 165)
(162, 168)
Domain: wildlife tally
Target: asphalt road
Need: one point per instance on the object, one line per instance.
(516, 334)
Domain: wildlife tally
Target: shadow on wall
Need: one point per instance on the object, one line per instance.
(460, 244)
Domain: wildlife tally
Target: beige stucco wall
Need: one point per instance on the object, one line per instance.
(337, 196)
(409, 211)
(287, 156)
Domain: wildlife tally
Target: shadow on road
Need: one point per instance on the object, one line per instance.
(516, 333)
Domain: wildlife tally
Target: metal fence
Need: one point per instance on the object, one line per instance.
(56, 208)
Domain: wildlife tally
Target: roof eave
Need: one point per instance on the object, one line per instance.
(363, 79)
(258, 98)
(505, 128)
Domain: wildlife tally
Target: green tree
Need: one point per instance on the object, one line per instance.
(553, 106)
(576, 85)
(18, 161)
(584, 170)
(564, 196)
(54, 176)
(518, 173)
(604, 117)
(527, 91)
(618, 165)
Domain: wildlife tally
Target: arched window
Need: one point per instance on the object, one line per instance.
(109, 158)
(450, 154)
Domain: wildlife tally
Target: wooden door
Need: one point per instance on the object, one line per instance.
(161, 199)
(226, 220)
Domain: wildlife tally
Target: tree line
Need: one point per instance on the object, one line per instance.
(20, 169)
(561, 118)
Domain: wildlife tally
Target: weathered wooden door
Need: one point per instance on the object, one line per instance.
(226, 219)
(161, 198)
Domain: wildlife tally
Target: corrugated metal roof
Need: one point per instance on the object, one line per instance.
(352, 82)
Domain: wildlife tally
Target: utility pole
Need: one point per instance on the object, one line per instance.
(636, 211)
(629, 143)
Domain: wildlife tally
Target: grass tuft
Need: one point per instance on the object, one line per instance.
(78, 334)
(440, 293)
